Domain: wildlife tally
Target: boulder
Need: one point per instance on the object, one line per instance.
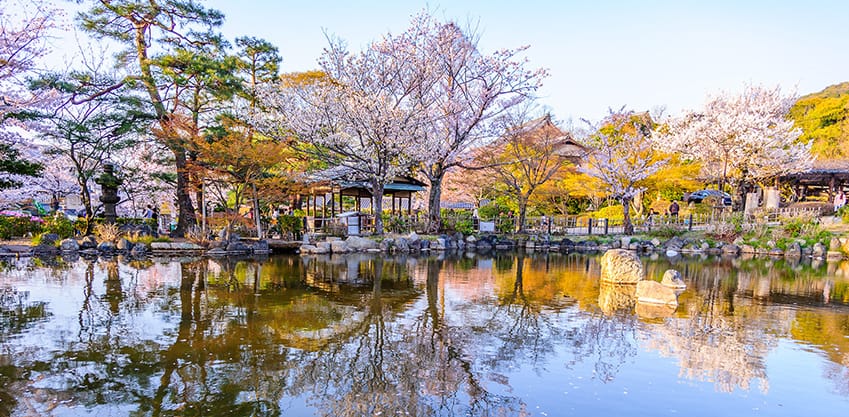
(360, 244)
(440, 244)
(401, 245)
(616, 244)
(635, 246)
(425, 244)
(69, 245)
(88, 242)
(625, 241)
(834, 245)
(323, 247)
(260, 246)
(471, 239)
(776, 252)
(621, 266)
(106, 247)
(747, 249)
(307, 249)
(43, 249)
(656, 242)
(339, 246)
(49, 239)
(793, 251)
(387, 244)
(413, 237)
(672, 279)
(730, 249)
(139, 250)
(653, 292)
(834, 255)
(818, 251)
(124, 245)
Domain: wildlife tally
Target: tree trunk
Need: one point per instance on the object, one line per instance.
(185, 209)
(377, 205)
(523, 208)
(255, 200)
(626, 219)
(434, 218)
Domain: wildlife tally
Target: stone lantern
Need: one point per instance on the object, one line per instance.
(109, 191)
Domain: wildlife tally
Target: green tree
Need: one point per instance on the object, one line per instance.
(168, 43)
(824, 120)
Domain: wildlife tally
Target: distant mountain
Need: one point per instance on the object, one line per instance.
(824, 119)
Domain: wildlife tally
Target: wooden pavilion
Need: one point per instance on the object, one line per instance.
(828, 176)
(329, 188)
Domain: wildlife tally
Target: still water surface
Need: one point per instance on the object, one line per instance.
(509, 335)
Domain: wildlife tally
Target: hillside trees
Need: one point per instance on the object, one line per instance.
(622, 156)
(823, 118)
(744, 137)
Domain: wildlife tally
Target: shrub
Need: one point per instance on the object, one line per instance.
(291, 224)
(107, 232)
(665, 231)
(59, 225)
(14, 224)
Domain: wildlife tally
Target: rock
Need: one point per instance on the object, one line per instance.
(339, 246)
(69, 245)
(776, 252)
(425, 244)
(834, 245)
(747, 249)
(625, 241)
(656, 242)
(307, 249)
(672, 279)
(106, 247)
(635, 246)
(88, 242)
(387, 244)
(834, 255)
(616, 244)
(793, 251)
(818, 250)
(139, 250)
(332, 238)
(401, 245)
(413, 237)
(730, 249)
(621, 266)
(49, 239)
(175, 246)
(653, 292)
(260, 246)
(323, 247)
(124, 245)
(360, 244)
(43, 249)
(471, 239)
(439, 244)
(672, 253)
(237, 246)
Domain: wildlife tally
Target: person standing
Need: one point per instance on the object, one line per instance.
(673, 210)
(839, 200)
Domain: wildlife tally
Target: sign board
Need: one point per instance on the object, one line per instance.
(487, 227)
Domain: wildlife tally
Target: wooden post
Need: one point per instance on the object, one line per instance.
(606, 225)
(590, 226)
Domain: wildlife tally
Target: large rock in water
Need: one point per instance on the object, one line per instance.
(69, 245)
(621, 266)
(653, 292)
(672, 279)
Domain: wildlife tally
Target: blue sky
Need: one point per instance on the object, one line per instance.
(601, 54)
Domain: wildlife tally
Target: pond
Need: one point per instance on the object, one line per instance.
(454, 335)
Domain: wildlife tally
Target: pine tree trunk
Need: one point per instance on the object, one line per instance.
(185, 209)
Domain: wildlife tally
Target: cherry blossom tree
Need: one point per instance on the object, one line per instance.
(24, 30)
(622, 156)
(354, 116)
(463, 90)
(746, 137)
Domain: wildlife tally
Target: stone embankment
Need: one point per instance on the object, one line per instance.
(675, 246)
(50, 245)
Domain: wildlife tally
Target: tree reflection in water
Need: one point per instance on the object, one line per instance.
(368, 335)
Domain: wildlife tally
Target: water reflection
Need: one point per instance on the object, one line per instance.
(370, 335)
